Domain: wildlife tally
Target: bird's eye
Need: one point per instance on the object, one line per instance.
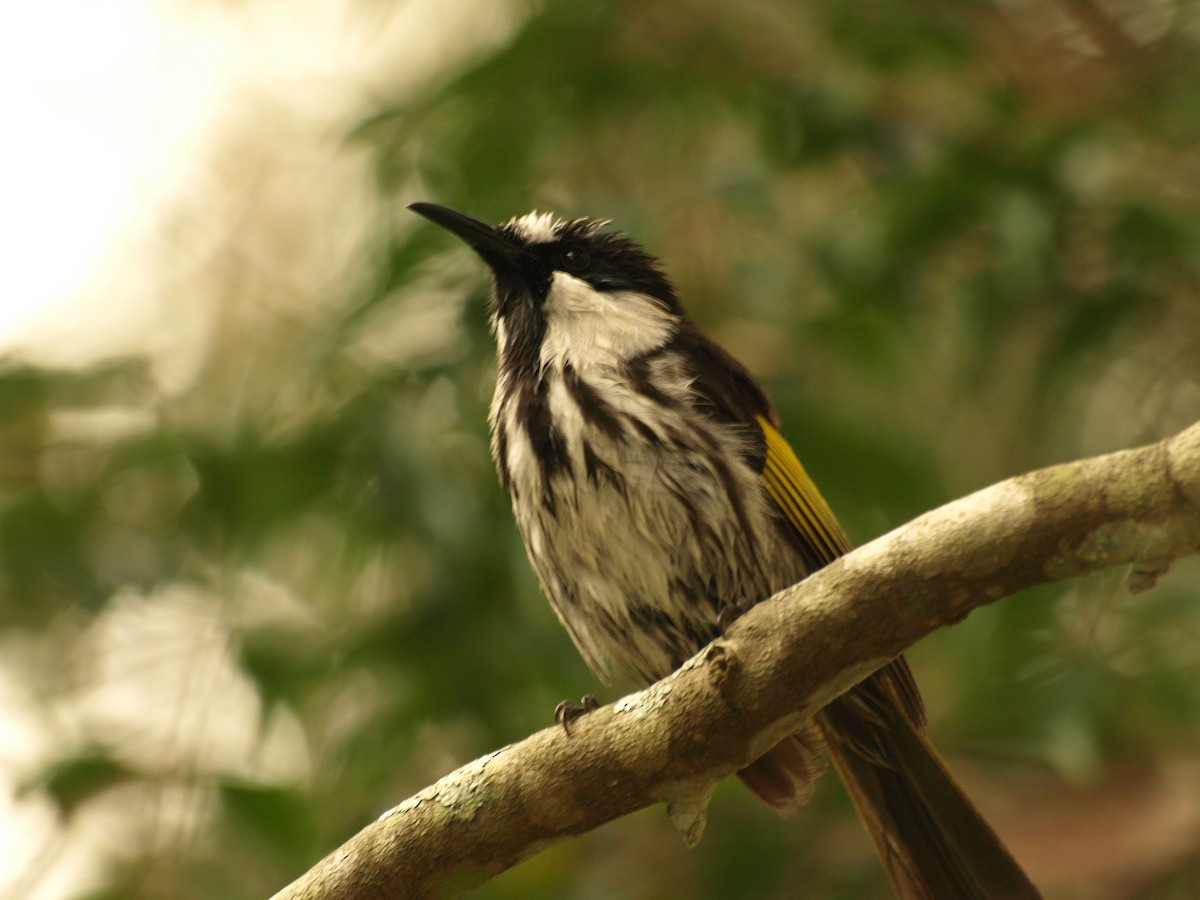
(572, 257)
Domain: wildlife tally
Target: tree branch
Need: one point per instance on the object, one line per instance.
(777, 665)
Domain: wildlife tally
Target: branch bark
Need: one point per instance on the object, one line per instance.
(777, 665)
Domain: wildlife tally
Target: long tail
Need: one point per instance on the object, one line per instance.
(933, 842)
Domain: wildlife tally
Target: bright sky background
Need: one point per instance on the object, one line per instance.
(111, 106)
(105, 105)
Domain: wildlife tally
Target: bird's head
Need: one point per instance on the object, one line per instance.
(567, 291)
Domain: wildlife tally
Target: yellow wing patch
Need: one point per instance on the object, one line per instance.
(790, 487)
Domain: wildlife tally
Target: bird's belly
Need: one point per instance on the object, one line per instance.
(638, 565)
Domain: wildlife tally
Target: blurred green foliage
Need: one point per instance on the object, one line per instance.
(955, 244)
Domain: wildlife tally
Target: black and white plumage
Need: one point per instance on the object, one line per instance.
(643, 515)
(655, 492)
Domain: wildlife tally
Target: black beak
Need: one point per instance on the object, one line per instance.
(497, 249)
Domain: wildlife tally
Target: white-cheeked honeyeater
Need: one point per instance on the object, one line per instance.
(657, 496)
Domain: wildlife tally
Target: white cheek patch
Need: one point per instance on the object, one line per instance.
(590, 328)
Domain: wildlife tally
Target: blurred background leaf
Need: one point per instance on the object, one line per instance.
(257, 578)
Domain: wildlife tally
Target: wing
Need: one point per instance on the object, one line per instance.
(793, 490)
(733, 396)
(797, 496)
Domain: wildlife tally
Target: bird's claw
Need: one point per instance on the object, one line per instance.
(567, 712)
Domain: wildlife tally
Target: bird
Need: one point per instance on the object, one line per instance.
(658, 498)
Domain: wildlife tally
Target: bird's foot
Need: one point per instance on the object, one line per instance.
(567, 712)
